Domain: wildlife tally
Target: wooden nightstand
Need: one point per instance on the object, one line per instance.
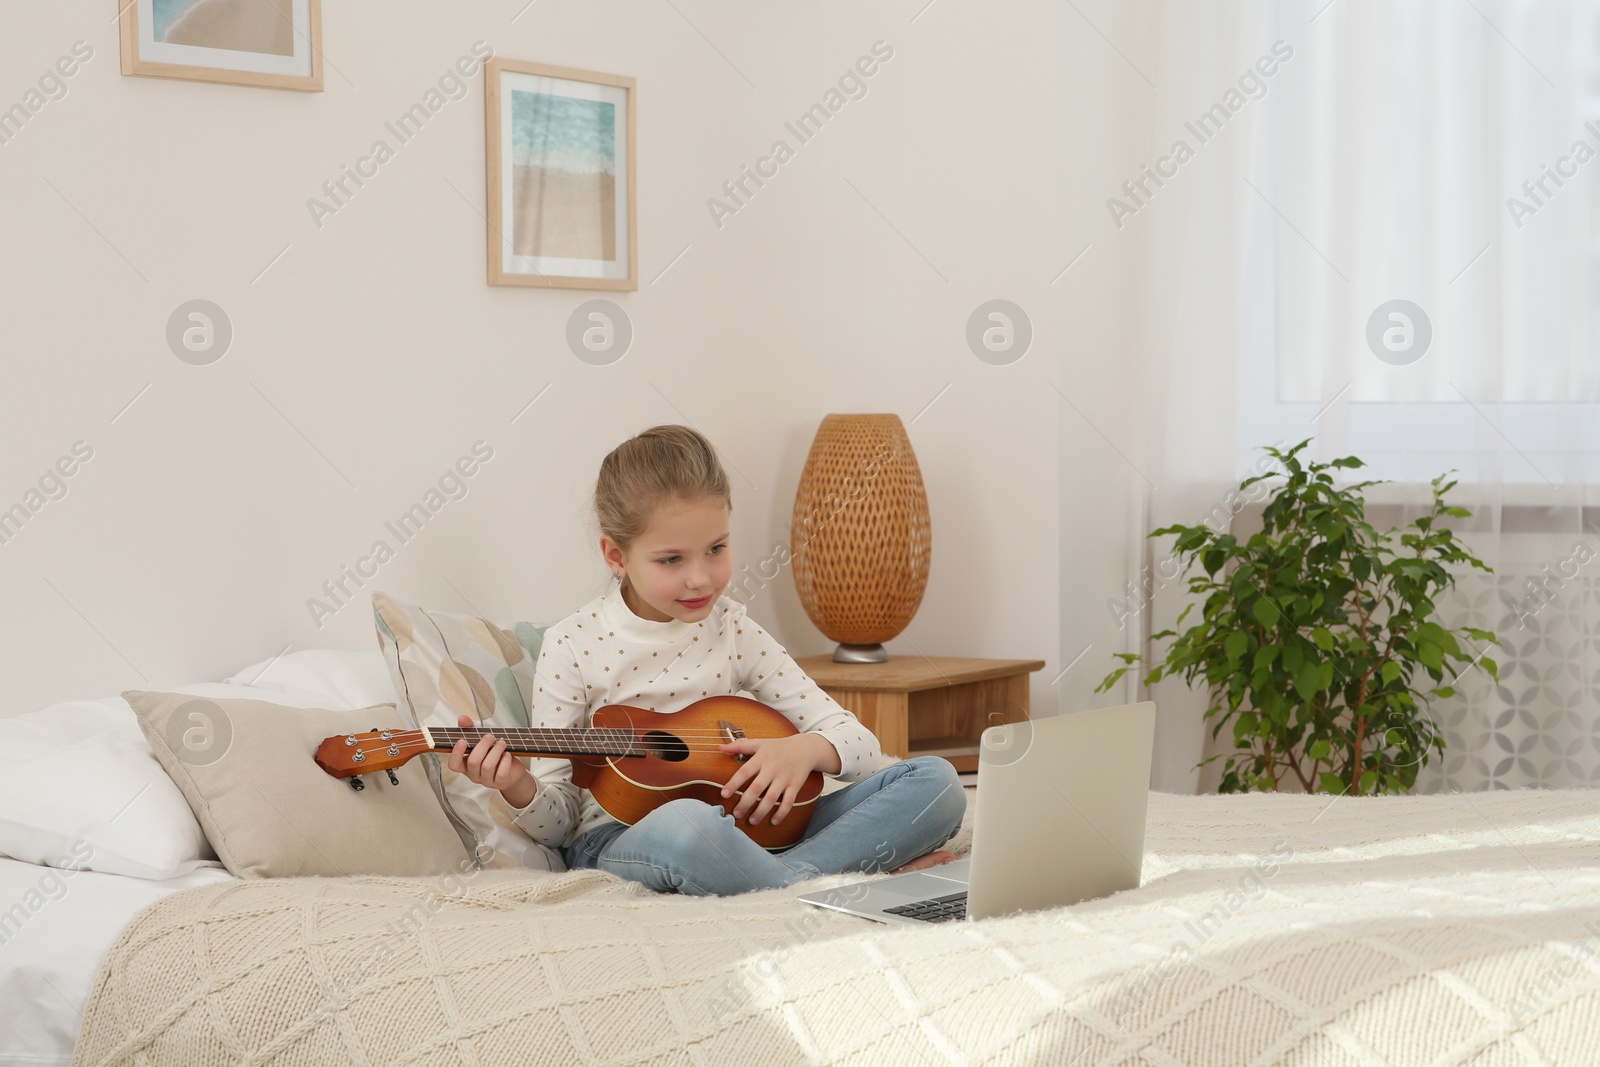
(928, 706)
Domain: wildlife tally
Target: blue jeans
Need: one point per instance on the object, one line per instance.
(889, 818)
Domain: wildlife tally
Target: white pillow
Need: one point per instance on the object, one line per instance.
(323, 678)
(80, 777)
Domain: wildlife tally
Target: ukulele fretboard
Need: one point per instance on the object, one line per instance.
(589, 741)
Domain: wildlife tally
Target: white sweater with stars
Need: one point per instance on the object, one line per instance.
(605, 654)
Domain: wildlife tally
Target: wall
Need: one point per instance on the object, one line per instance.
(1102, 432)
(369, 353)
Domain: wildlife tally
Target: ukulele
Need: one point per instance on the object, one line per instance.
(630, 760)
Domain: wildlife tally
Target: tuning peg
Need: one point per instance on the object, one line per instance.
(357, 784)
(392, 779)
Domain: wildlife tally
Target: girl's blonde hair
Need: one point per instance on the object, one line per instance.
(662, 464)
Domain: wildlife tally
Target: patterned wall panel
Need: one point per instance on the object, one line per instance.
(1540, 725)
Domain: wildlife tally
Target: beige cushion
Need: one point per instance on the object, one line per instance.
(246, 769)
(443, 666)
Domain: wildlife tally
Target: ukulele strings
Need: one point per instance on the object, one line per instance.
(697, 746)
(706, 742)
(605, 733)
(523, 733)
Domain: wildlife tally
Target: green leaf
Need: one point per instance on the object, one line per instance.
(1318, 749)
(1328, 782)
(1366, 782)
(1430, 654)
(1305, 681)
(1390, 672)
(1264, 611)
(1110, 680)
(1323, 637)
(1235, 645)
(1431, 632)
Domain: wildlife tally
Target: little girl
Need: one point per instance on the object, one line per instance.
(663, 637)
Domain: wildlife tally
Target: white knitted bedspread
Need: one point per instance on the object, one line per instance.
(1456, 929)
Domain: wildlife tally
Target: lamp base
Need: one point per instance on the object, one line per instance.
(860, 654)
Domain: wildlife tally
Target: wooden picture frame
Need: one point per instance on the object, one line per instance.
(211, 41)
(556, 151)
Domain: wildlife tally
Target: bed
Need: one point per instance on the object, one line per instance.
(50, 952)
(1447, 930)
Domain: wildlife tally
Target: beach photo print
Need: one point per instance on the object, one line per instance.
(276, 44)
(561, 177)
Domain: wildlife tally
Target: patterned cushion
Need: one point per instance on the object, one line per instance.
(444, 666)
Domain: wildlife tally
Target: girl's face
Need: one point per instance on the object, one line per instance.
(679, 565)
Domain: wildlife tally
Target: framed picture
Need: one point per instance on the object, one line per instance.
(271, 43)
(561, 177)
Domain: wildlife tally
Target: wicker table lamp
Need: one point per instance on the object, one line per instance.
(861, 536)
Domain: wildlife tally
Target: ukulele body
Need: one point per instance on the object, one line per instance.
(682, 761)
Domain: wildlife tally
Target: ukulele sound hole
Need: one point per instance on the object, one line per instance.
(665, 746)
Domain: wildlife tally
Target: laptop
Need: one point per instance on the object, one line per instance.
(1061, 815)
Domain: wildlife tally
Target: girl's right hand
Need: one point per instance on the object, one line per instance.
(489, 764)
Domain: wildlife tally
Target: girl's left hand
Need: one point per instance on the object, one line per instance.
(775, 771)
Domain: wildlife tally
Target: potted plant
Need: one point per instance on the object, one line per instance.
(1316, 639)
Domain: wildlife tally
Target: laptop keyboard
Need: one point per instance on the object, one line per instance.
(933, 910)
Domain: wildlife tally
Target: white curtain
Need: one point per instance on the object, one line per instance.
(1440, 153)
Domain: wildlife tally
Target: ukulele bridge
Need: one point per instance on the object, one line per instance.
(730, 732)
